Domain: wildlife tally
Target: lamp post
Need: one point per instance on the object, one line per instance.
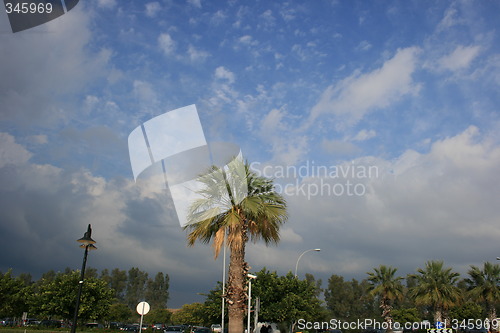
(251, 276)
(297, 264)
(87, 244)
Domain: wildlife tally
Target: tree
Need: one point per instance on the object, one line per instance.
(236, 205)
(135, 286)
(484, 286)
(387, 288)
(158, 316)
(285, 299)
(190, 314)
(119, 312)
(436, 287)
(57, 297)
(118, 282)
(157, 291)
(349, 300)
(13, 294)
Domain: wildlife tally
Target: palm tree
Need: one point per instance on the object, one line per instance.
(484, 286)
(387, 287)
(436, 287)
(236, 205)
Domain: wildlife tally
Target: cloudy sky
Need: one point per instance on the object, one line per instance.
(379, 120)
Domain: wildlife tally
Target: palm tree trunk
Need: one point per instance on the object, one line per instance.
(492, 317)
(236, 294)
(438, 315)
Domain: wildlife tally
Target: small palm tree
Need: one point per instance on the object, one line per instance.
(484, 286)
(387, 287)
(236, 205)
(436, 287)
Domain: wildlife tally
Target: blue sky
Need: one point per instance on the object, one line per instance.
(407, 87)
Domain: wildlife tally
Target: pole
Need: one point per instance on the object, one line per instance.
(256, 313)
(142, 316)
(297, 264)
(82, 273)
(249, 303)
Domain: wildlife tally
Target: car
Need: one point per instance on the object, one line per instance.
(216, 328)
(94, 325)
(173, 329)
(130, 328)
(50, 323)
(201, 330)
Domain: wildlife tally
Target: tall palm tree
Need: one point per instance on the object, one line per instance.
(436, 287)
(484, 286)
(387, 287)
(236, 205)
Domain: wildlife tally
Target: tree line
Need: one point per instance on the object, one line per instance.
(106, 295)
(433, 293)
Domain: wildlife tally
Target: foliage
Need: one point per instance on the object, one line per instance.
(484, 286)
(157, 291)
(467, 311)
(158, 315)
(13, 294)
(285, 298)
(119, 312)
(192, 314)
(386, 287)
(348, 300)
(234, 206)
(436, 287)
(57, 298)
(409, 315)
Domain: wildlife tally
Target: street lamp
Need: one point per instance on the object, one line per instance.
(87, 244)
(251, 276)
(297, 264)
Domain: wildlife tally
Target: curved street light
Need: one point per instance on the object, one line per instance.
(297, 264)
(87, 244)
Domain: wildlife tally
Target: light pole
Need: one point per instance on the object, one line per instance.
(297, 264)
(251, 276)
(87, 244)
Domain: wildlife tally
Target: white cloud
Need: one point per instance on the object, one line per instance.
(359, 93)
(195, 3)
(364, 46)
(11, 152)
(222, 73)
(339, 147)
(152, 8)
(460, 58)
(166, 43)
(106, 3)
(365, 135)
(196, 55)
(144, 91)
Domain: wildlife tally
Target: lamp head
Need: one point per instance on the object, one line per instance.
(317, 250)
(251, 276)
(87, 239)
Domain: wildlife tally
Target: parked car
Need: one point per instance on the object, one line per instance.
(173, 329)
(198, 329)
(216, 328)
(94, 325)
(51, 323)
(130, 328)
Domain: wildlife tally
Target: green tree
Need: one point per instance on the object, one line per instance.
(118, 282)
(13, 294)
(213, 305)
(409, 315)
(467, 311)
(158, 316)
(235, 205)
(285, 299)
(136, 286)
(119, 312)
(58, 297)
(349, 300)
(387, 287)
(484, 286)
(190, 314)
(157, 291)
(436, 287)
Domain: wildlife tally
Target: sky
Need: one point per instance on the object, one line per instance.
(379, 122)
